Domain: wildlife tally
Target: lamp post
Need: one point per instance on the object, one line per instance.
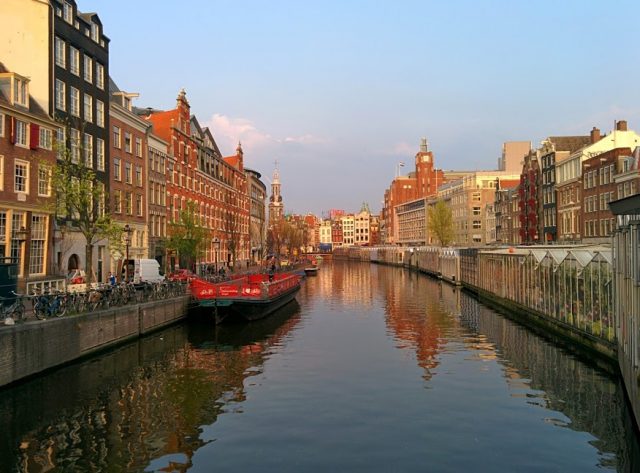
(127, 242)
(21, 236)
(216, 245)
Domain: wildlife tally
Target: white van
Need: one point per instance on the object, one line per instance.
(144, 270)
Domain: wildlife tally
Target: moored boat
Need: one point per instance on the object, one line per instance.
(311, 270)
(248, 297)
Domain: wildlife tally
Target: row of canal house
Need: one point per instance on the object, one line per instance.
(55, 89)
(565, 188)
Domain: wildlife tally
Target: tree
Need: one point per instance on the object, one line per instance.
(80, 199)
(441, 222)
(187, 236)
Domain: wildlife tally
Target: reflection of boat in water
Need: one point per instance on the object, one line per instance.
(250, 297)
(311, 270)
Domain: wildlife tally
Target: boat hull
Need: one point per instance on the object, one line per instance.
(311, 271)
(246, 299)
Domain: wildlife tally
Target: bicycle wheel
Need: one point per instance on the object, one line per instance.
(18, 311)
(40, 310)
(60, 308)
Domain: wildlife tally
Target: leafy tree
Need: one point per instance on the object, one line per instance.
(188, 236)
(80, 199)
(441, 222)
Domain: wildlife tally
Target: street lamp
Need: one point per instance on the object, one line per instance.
(216, 245)
(21, 236)
(127, 242)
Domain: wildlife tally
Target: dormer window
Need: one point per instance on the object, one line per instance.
(126, 103)
(20, 91)
(95, 32)
(67, 12)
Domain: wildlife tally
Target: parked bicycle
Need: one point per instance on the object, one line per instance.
(14, 310)
(49, 304)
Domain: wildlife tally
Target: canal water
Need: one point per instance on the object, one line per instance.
(372, 369)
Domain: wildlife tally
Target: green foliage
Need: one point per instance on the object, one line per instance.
(80, 199)
(187, 236)
(441, 222)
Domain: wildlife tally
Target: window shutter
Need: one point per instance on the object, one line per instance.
(12, 130)
(34, 141)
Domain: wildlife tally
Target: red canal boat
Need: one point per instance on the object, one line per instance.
(249, 297)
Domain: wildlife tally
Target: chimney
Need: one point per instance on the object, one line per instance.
(595, 135)
(621, 125)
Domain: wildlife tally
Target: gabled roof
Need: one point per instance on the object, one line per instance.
(570, 143)
(34, 106)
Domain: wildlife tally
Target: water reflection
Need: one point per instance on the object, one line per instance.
(141, 404)
(431, 318)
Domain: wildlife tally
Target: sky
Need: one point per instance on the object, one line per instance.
(340, 92)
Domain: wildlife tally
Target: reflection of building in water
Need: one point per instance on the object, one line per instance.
(592, 401)
(138, 411)
(349, 281)
(417, 313)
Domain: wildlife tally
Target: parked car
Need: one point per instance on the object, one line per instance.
(181, 275)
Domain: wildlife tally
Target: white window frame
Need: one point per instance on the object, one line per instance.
(74, 61)
(100, 161)
(25, 164)
(75, 102)
(67, 12)
(61, 95)
(128, 139)
(100, 113)
(88, 69)
(88, 107)
(61, 52)
(138, 147)
(117, 169)
(117, 137)
(44, 179)
(87, 149)
(22, 134)
(46, 138)
(2, 118)
(99, 76)
(75, 145)
(1, 172)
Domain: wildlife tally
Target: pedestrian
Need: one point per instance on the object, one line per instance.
(112, 279)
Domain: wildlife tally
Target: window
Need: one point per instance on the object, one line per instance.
(75, 145)
(1, 184)
(127, 142)
(44, 188)
(61, 141)
(88, 108)
(21, 133)
(116, 169)
(61, 102)
(95, 32)
(100, 154)
(88, 150)
(117, 137)
(60, 52)
(20, 92)
(476, 211)
(17, 222)
(36, 247)
(127, 173)
(117, 201)
(139, 176)
(46, 138)
(99, 76)
(74, 59)
(100, 113)
(67, 10)
(138, 147)
(129, 203)
(88, 69)
(139, 205)
(75, 102)
(21, 176)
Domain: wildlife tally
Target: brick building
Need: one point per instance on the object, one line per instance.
(26, 158)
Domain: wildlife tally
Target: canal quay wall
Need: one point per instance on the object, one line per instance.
(566, 292)
(35, 346)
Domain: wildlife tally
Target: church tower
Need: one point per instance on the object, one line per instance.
(276, 208)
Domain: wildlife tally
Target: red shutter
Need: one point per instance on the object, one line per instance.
(12, 130)
(34, 141)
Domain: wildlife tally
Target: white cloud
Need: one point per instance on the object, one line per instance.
(227, 131)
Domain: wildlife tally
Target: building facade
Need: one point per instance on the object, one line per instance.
(257, 214)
